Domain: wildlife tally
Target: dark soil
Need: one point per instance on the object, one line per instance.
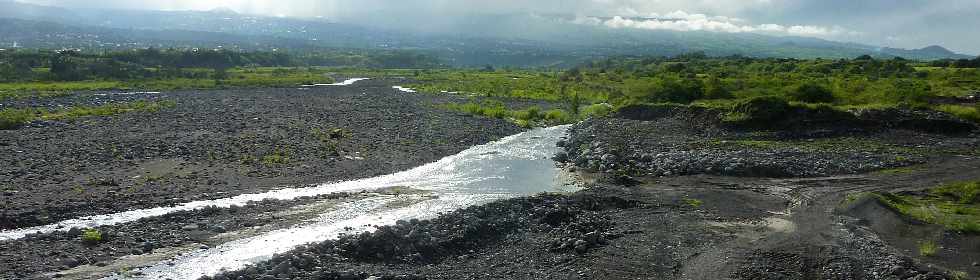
(215, 144)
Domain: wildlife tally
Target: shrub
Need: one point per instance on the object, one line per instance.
(928, 248)
(91, 236)
(14, 118)
(758, 110)
(675, 90)
(558, 116)
(528, 114)
(812, 93)
(596, 110)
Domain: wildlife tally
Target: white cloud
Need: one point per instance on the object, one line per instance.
(684, 21)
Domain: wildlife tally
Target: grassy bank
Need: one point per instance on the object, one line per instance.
(955, 206)
(528, 117)
(206, 79)
(14, 118)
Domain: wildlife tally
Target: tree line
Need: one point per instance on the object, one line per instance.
(74, 65)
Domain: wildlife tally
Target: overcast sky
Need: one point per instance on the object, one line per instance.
(898, 23)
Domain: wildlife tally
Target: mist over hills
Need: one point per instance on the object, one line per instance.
(504, 39)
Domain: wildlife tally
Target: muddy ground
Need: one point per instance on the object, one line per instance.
(216, 144)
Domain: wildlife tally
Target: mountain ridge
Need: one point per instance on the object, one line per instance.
(498, 40)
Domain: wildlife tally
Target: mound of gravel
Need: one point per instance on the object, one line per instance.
(674, 146)
(571, 224)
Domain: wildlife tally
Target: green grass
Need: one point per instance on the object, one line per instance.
(277, 157)
(900, 170)
(928, 248)
(954, 206)
(970, 113)
(14, 118)
(695, 203)
(528, 117)
(237, 78)
(963, 192)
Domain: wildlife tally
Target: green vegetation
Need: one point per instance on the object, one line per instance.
(27, 73)
(14, 118)
(928, 248)
(69, 65)
(329, 140)
(750, 91)
(970, 113)
(91, 236)
(955, 206)
(695, 203)
(527, 117)
(279, 156)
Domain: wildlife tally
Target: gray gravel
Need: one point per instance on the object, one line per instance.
(670, 147)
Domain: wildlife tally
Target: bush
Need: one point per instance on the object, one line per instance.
(761, 110)
(528, 114)
(14, 118)
(596, 110)
(675, 90)
(558, 116)
(91, 236)
(812, 93)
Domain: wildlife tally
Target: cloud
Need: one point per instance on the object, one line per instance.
(919, 23)
(684, 21)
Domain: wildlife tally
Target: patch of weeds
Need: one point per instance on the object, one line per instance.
(14, 118)
(851, 198)
(953, 206)
(928, 248)
(959, 275)
(278, 157)
(78, 189)
(248, 159)
(900, 170)
(969, 113)
(91, 236)
(695, 203)
(212, 156)
(330, 140)
(964, 192)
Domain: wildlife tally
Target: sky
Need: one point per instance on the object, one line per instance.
(894, 23)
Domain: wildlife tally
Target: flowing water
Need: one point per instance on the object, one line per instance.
(513, 166)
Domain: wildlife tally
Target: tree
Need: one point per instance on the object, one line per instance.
(864, 57)
(64, 66)
(812, 93)
(715, 89)
(671, 89)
